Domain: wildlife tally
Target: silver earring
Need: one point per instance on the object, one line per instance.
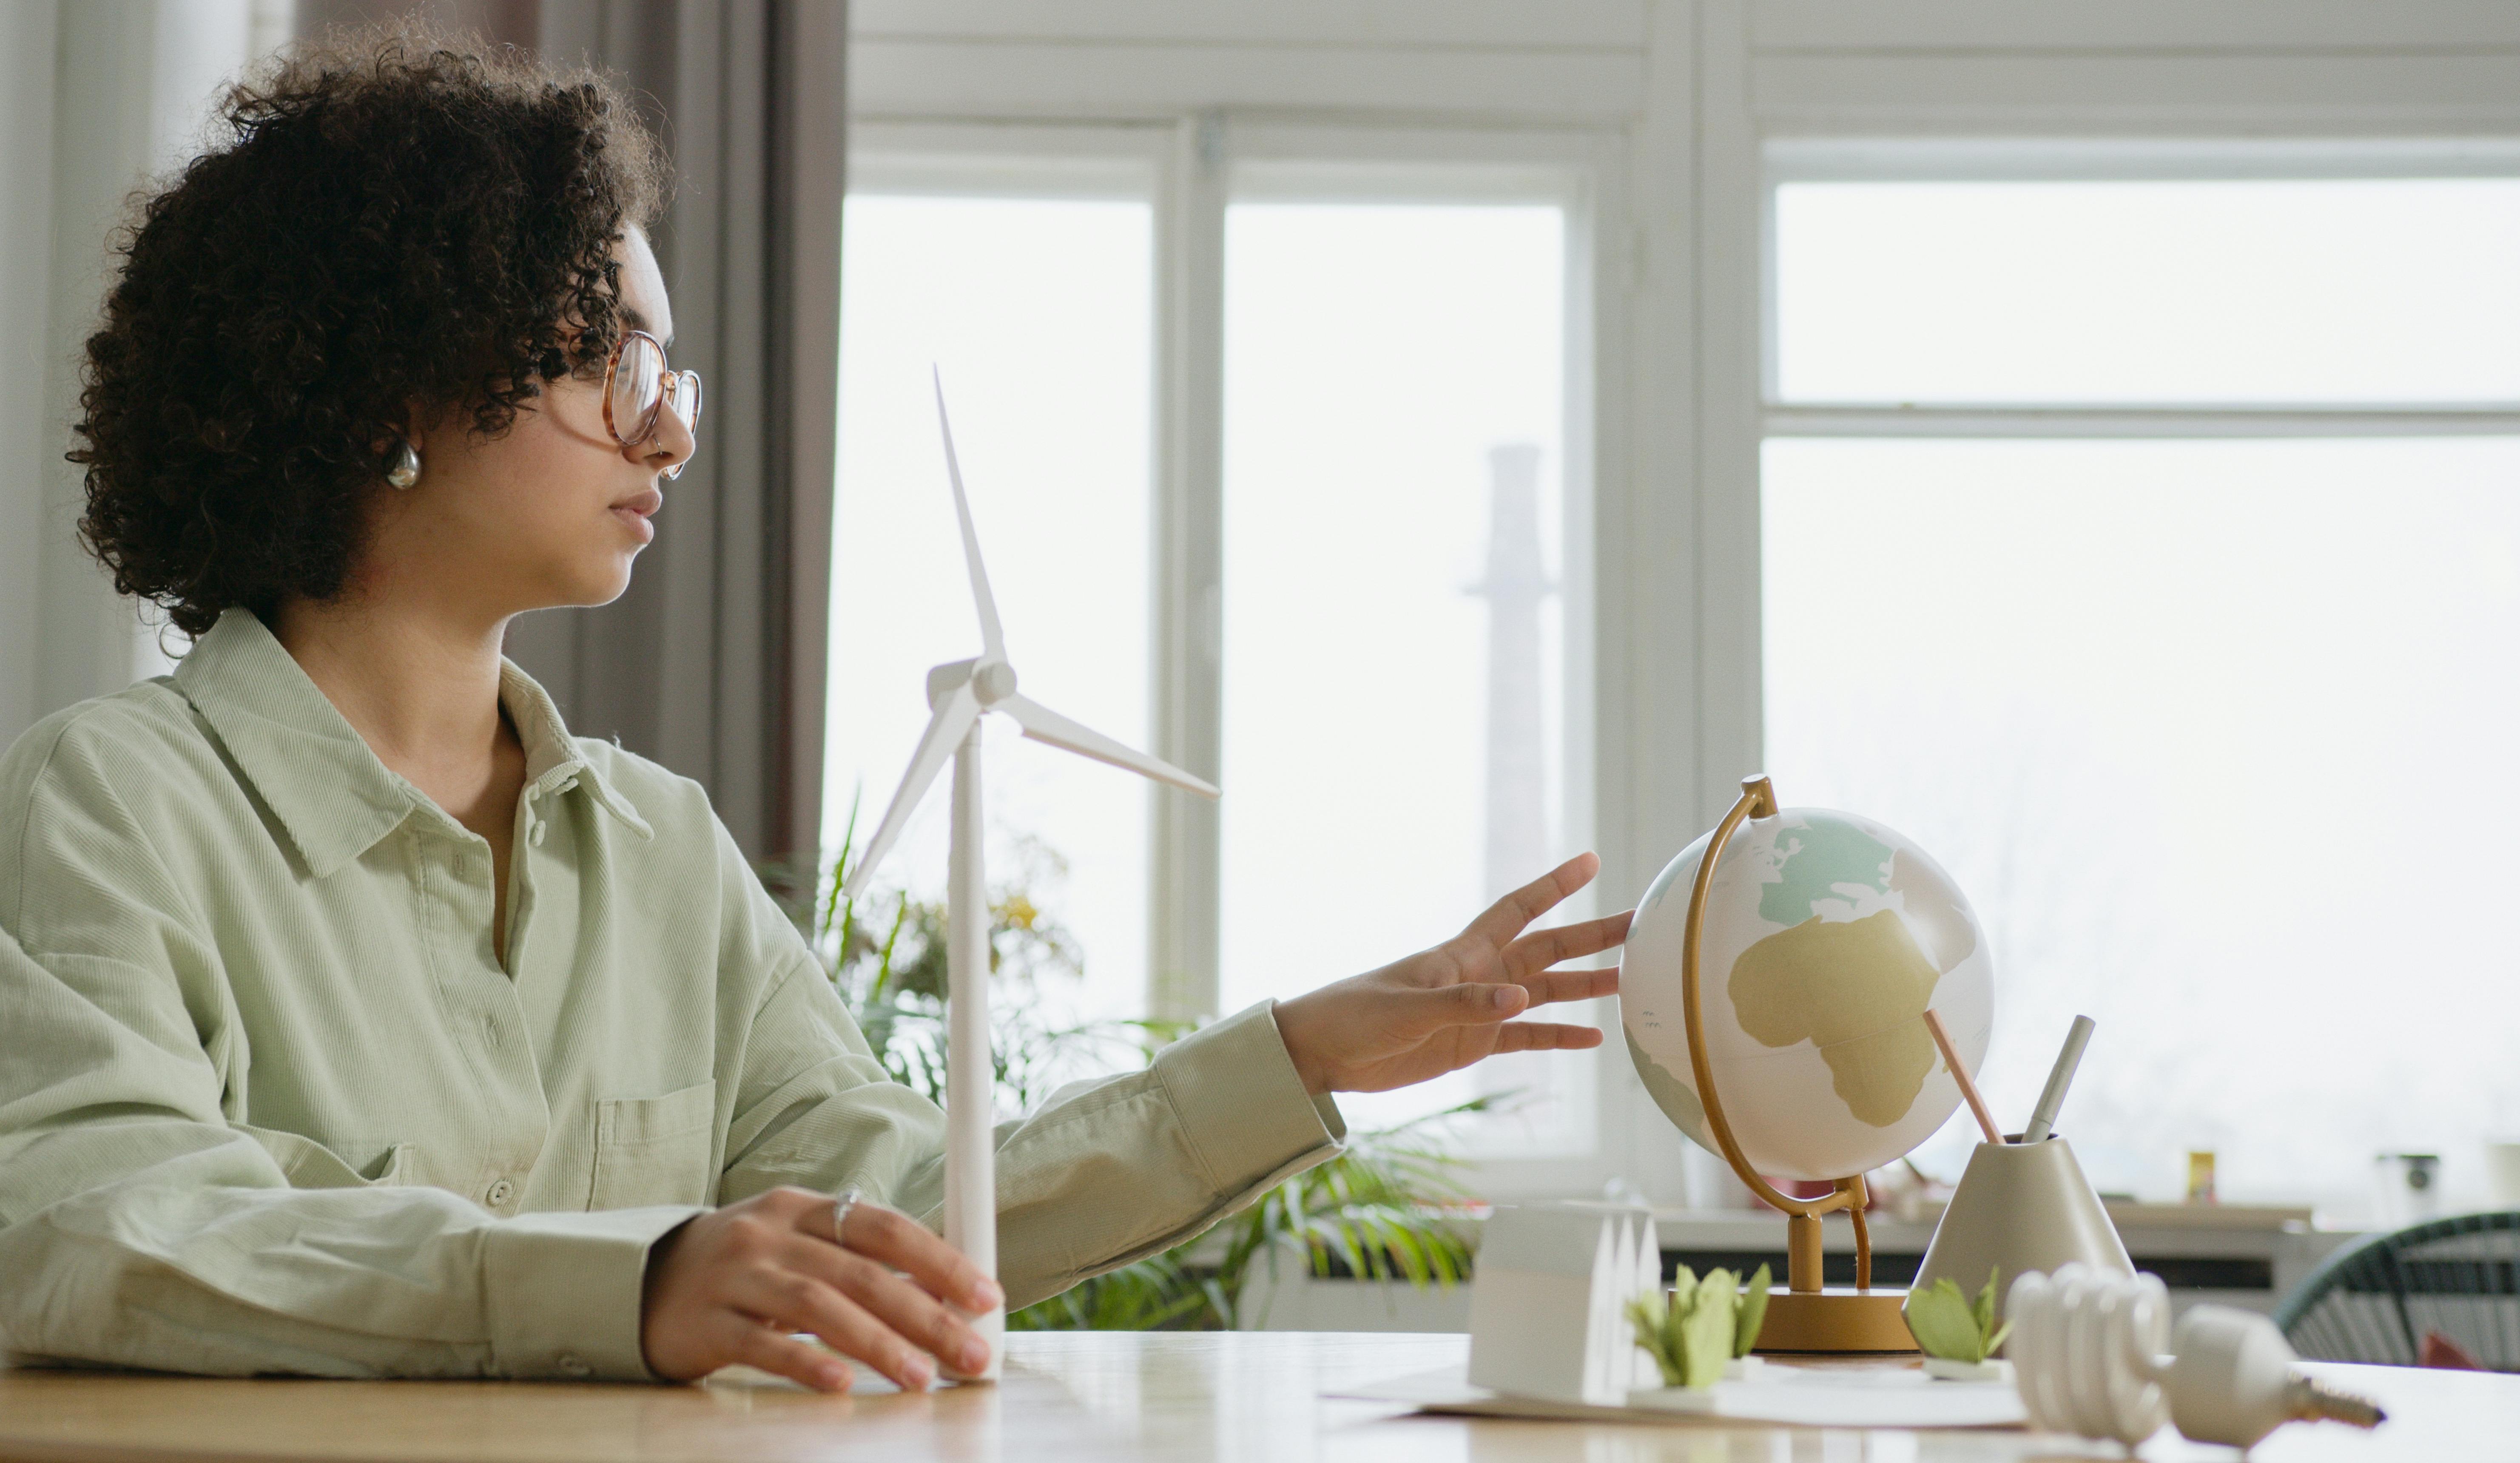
(402, 469)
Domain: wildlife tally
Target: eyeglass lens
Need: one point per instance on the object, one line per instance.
(638, 388)
(686, 399)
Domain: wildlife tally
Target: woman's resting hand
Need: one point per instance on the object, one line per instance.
(731, 1285)
(1446, 1007)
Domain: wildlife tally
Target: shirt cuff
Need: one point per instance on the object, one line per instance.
(563, 1291)
(1240, 1102)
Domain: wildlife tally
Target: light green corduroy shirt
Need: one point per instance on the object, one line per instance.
(270, 1102)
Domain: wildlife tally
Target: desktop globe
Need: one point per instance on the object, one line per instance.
(1826, 938)
(1816, 945)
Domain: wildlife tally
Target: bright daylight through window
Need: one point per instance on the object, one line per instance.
(2215, 732)
(1395, 608)
(1037, 313)
(1395, 613)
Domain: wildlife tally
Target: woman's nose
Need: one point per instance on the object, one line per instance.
(670, 445)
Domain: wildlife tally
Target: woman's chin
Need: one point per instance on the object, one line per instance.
(587, 585)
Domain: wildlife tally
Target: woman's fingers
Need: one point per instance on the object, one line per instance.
(1542, 1036)
(903, 1308)
(895, 1239)
(1508, 916)
(800, 1302)
(1542, 948)
(1481, 1003)
(783, 1355)
(727, 1285)
(1549, 985)
(1466, 1003)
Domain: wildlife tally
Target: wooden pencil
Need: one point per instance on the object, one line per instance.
(1960, 1074)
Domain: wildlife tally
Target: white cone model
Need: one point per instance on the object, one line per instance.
(959, 693)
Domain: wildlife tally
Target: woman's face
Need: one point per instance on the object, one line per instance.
(549, 513)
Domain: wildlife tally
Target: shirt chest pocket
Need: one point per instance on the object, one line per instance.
(656, 1150)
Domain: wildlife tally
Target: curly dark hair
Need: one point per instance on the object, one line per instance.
(398, 221)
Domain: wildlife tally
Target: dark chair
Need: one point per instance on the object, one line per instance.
(2376, 1298)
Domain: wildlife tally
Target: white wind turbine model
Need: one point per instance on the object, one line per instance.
(959, 693)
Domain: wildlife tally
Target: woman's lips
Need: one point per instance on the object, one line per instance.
(635, 510)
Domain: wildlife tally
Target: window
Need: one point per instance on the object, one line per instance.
(1366, 602)
(2147, 549)
(1917, 273)
(1394, 674)
(2269, 291)
(1035, 308)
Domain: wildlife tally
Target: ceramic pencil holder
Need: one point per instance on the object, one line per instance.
(2020, 1207)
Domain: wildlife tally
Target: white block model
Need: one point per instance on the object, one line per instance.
(959, 693)
(1549, 1314)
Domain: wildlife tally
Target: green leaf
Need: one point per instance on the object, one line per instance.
(1650, 1315)
(1754, 1313)
(1707, 1335)
(1996, 1340)
(1940, 1320)
(1983, 1314)
(1684, 1289)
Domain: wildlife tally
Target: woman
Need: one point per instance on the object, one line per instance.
(361, 1021)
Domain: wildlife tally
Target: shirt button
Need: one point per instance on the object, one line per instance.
(573, 1365)
(536, 836)
(500, 1193)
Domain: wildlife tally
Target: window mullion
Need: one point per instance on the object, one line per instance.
(2084, 420)
(1188, 539)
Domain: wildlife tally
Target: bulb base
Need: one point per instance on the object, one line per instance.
(2308, 1399)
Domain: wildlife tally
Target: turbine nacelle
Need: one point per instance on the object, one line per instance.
(991, 681)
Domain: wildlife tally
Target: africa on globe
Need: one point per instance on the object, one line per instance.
(1827, 937)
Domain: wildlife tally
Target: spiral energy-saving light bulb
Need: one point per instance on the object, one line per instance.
(2088, 1349)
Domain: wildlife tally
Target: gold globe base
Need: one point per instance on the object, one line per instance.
(1835, 1319)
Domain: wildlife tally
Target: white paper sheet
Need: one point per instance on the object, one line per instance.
(1814, 1398)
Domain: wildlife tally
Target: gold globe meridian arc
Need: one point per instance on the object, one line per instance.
(1802, 1225)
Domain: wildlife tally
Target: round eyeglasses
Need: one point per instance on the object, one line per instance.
(637, 385)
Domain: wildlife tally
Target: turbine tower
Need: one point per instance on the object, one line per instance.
(1517, 819)
(959, 693)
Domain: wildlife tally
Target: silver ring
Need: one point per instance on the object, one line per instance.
(842, 1202)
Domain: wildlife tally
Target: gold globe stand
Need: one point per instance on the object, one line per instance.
(1806, 1315)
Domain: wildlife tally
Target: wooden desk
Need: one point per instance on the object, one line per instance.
(1103, 1397)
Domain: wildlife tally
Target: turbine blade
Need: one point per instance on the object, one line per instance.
(993, 638)
(944, 734)
(1042, 724)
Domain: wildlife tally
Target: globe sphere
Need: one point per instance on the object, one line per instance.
(1826, 939)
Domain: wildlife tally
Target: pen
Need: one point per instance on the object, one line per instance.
(2053, 1096)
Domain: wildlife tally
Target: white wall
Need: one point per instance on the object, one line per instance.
(100, 96)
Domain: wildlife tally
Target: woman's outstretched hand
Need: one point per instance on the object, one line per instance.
(1444, 1008)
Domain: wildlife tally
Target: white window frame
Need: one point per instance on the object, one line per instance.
(1192, 169)
(1681, 109)
(2113, 159)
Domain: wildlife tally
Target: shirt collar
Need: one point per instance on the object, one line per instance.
(553, 762)
(315, 772)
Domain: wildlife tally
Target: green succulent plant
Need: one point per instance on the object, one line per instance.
(1948, 1326)
(1387, 1208)
(1697, 1326)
